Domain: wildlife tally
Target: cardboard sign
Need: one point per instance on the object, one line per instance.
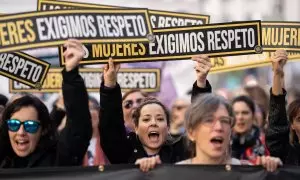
(147, 80)
(235, 63)
(281, 35)
(158, 19)
(275, 35)
(225, 39)
(41, 29)
(23, 68)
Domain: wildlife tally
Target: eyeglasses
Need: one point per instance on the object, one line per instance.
(30, 126)
(129, 103)
(211, 121)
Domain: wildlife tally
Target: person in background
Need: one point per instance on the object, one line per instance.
(227, 94)
(95, 155)
(261, 99)
(3, 102)
(28, 137)
(294, 93)
(283, 133)
(178, 110)
(130, 101)
(58, 113)
(248, 143)
(208, 125)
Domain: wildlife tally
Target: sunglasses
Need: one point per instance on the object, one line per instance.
(30, 126)
(129, 103)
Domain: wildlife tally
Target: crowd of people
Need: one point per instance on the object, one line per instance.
(253, 128)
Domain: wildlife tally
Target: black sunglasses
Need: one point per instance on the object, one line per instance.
(30, 126)
(129, 103)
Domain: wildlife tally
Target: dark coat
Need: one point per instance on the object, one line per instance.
(277, 134)
(71, 145)
(249, 146)
(121, 147)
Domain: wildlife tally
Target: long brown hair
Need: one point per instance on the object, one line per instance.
(293, 111)
(49, 134)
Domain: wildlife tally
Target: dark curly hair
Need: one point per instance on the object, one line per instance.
(48, 129)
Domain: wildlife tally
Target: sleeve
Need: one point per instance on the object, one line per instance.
(74, 139)
(114, 140)
(57, 116)
(196, 91)
(277, 133)
(3, 149)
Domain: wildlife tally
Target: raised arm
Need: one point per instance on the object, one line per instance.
(114, 141)
(277, 133)
(202, 69)
(75, 137)
(58, 111)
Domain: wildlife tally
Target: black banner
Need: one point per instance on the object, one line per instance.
(285, 35)
(163, 172)
(158, 19)
(41, 29)
(147, 80)
(224, 39)
(24, 68)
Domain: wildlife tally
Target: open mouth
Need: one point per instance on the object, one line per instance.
(153, 135)
(22, 144)
(218, 140)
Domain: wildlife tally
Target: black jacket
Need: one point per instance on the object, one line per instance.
(57, 115)
(277, 134)
(71, 145)
(120, 147)
(249, 146)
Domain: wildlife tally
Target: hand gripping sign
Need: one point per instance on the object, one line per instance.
(146, 79)
(23, 68)
(224, 39)
(275, 35)
(41, 29)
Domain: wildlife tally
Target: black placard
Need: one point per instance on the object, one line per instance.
(215, 40)
(41, 29)
(24, 68)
